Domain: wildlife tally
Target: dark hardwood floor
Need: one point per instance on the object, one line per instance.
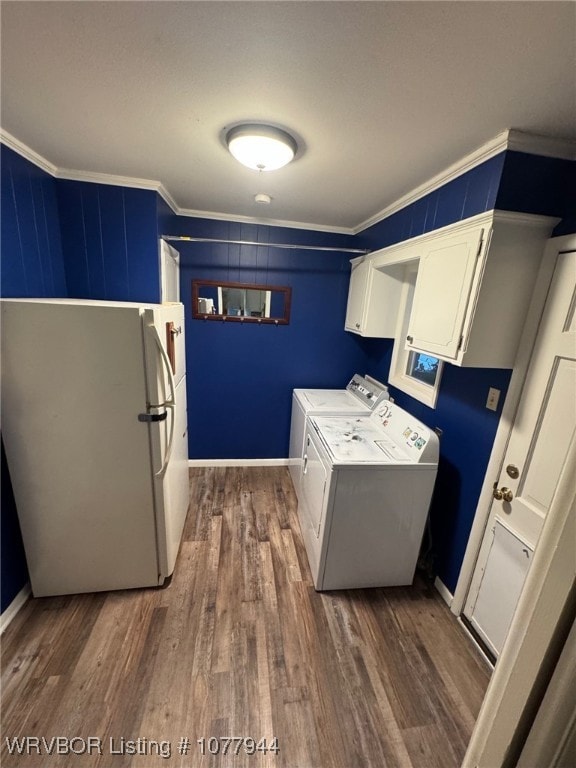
(240, 645)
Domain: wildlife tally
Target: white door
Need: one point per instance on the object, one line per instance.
(169, 273)
(543, 431)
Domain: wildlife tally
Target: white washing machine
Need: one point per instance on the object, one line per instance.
(367, 482)
(360, 396)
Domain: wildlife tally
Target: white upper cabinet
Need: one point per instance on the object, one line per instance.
(474, 285)
(357, 294)
(473, 288)
(373, 299)
(443, 286)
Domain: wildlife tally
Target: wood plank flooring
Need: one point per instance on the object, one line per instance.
(240, 645)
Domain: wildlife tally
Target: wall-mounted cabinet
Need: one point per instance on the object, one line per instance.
(474, 285)
(373, 299)
(473, 290)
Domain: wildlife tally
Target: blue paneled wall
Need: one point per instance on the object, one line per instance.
(541, 185)
(241, 376)
(467, 195)
(109, 241)
(32, 263)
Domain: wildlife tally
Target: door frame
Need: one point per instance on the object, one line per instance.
(554, 247)
(175, 256)
(546, 607)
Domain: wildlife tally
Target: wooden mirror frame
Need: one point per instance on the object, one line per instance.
(286, 291)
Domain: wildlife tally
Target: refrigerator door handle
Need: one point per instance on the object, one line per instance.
(164, 467)
(151, 417)
(172, 401)
(170, 404)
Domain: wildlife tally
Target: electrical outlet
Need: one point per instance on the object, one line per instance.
(493, 397)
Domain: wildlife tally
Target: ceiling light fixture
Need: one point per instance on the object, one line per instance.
(262, 198)
(261, 147)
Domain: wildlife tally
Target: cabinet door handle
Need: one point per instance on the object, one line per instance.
(357, 325)
(410, 339)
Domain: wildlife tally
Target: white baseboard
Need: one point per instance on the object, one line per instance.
(14, 607)
(238, 462)
(445, 593)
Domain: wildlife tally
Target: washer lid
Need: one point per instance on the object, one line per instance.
(357, 440)
(360, 394)
(330, 400)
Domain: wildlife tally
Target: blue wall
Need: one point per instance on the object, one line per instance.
(109, 241)
(542, 185)
(471, 193)
(32, 263)
(253, 368)
(14, 573)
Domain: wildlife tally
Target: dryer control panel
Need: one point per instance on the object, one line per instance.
(368, 392)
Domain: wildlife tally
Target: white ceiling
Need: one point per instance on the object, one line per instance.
(381, 96)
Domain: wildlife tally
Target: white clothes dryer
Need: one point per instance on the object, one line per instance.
(360, 396)
(367, 483)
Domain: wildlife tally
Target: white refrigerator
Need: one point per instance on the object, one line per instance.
(94, 426)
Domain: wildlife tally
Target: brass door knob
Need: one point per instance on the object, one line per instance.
(502, 494)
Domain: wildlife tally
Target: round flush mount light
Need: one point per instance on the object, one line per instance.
(261, 147)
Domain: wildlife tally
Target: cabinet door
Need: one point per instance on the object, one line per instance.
(357, 295)
(443, 294)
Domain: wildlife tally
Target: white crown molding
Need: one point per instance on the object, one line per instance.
(518, 141)
(266, 221)
(514, 140)
(26, 152)
(118, 181)
(72, 175)
(238, 462)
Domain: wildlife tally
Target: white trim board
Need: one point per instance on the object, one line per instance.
(10, 613)
(445, 593)
(507, 140)
(238, 462)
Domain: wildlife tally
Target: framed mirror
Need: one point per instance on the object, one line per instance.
(241, 302)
